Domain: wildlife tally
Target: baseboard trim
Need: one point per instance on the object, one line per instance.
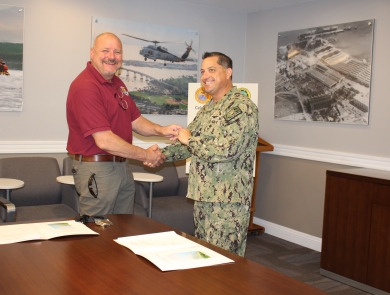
(335, 157)
(290, 235)
(50, 147)
(352, 283)
(32, 147)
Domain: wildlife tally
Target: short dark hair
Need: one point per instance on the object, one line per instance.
(223, 59)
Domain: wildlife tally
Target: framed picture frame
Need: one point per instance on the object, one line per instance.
(11, 57)
(158, 63)
(323, 74)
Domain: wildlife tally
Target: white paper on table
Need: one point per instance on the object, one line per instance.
(170, 251)
(42, 231)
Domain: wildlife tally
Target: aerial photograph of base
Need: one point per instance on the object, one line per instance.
(323, 74)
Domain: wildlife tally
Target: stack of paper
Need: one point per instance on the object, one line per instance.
(170, 251)
(42, 231)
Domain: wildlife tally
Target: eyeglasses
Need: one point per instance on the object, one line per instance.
(119, 93)
(92, 180)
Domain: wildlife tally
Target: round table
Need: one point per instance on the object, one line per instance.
(9, 184)
(66, 179)
(151, 178)
(138, 176)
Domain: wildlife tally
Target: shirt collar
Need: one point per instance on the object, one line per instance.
(97, 75)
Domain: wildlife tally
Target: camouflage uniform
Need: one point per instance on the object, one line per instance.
(222, 146)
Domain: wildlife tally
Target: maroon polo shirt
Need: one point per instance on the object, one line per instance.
(94, 105)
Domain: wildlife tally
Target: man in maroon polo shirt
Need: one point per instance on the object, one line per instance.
(101, 118)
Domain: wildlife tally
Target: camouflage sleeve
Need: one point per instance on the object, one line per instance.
(226, 140)
(176, 152)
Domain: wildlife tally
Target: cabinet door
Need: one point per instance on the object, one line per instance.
(345, 237)
(378, 274)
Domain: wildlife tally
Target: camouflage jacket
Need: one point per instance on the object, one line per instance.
(222, 146)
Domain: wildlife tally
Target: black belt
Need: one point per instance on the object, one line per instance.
(99, 158)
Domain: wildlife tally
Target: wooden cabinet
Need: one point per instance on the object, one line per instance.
(356, 229)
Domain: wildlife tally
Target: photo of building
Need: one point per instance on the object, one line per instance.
(331, 61)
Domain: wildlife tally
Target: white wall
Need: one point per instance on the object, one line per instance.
(262, 31)
(57, 36)
(291, 189)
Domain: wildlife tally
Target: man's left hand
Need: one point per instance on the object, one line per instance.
(171, 131)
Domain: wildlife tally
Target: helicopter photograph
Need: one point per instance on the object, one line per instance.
(158, 63)
(155, 52)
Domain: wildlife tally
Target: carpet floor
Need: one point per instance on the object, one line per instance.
(295, 261)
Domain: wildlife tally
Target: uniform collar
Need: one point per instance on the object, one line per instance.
(228, 94)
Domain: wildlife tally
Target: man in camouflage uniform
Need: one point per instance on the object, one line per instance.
(222, 141)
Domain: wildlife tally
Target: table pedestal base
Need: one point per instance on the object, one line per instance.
(151, 178)
(150, 199)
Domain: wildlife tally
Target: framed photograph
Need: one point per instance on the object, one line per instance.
(158, 63)
(323, 74)
(11, 57)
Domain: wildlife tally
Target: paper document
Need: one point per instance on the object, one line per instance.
(170, 251)
(42, 231)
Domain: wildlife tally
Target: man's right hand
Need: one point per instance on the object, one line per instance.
(154, 157)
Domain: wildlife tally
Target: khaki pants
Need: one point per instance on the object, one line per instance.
(114, 187)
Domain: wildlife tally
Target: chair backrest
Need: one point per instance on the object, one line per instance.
(67, 166)
(39, 176)
(69, 193)
(170, 184)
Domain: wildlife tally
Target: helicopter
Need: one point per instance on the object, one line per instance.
(156, 52)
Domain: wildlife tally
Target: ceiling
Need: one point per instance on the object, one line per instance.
(246, 6)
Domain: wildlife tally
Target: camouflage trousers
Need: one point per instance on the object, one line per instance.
(222, 224)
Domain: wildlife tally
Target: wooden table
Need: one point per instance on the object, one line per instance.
(98, 265)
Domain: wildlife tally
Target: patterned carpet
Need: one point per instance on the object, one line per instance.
(295, 261)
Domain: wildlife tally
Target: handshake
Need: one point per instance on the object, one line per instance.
(154, 157)
(174, 132)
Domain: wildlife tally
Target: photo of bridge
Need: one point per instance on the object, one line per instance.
(157, 96)
(158, 63)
